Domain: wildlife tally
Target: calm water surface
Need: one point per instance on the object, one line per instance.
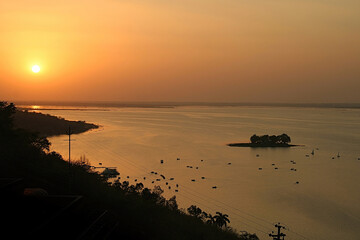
(324, 205)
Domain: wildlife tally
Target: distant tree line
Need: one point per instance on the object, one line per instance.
(270, 139)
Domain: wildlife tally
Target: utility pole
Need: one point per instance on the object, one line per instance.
(279, 233)
(69, 133)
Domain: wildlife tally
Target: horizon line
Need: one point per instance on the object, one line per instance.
(107, 103)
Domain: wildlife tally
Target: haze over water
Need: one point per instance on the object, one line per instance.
(324, 205)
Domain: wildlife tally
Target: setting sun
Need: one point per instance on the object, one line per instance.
(35, 69)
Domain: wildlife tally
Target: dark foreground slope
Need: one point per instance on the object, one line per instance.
(44, 197)
(47, 125)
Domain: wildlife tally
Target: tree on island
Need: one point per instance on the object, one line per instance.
(283, 138)
(273, 139)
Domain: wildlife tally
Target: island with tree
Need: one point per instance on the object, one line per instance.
(282, 140)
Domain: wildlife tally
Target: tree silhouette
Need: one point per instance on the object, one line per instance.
(194, 211)
(264, 139)
(248, 236)
(284, 138)
(211, 219)
(273, 139)
(255, 139)
(6, 115)
(139, 187)
(270, 140)
(41, 143)
(221, 219)
(172, 204)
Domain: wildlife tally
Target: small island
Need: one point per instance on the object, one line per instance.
(282, 140)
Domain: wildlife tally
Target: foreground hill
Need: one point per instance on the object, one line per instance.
(45, 197)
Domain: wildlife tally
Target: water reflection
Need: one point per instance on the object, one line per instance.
(317, 195)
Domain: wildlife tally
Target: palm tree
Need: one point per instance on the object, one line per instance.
(221, 219)
(210, 219)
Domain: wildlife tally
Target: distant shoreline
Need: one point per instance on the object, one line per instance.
(47, 125)
(65, 109)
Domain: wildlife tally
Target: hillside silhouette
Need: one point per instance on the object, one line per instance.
(48, 125)
(45, 197)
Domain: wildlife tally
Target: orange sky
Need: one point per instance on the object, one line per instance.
(181, 50)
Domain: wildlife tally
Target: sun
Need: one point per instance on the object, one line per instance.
(35, 68)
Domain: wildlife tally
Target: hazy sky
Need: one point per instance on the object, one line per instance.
(181, 50)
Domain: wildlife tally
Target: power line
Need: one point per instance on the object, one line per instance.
(216, 210)
(110, 152)
(251, 215)
(206, 198)
(234, 214)
(69, 132)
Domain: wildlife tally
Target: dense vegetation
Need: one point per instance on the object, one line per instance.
(282, 140)
(270, 139)
(142, 213)
(47, 125)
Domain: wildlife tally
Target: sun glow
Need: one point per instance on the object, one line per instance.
(35, 68)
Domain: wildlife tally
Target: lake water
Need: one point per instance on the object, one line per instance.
(324, 205)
